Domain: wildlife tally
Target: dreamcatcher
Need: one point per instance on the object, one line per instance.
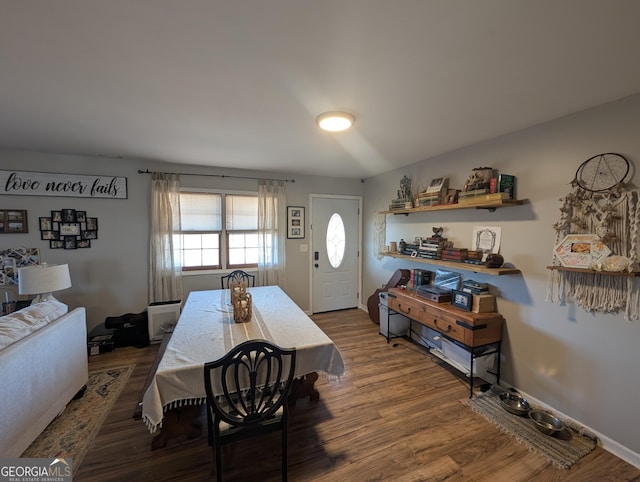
(599, 204)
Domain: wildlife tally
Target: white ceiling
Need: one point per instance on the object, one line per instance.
(238, 83)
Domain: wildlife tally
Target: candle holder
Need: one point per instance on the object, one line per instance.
(237, 288)
(242, 308)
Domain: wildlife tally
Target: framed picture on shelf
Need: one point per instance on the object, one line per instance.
(462, 299)
(295, 222)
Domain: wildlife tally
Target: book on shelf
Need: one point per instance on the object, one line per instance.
(454, 259)
(455, 251)
(483, 303)
(482, 198)
(400, 204)
(473, 261)
(420, 277)
(429, 255)
(474, 291)
(507, 184)
(475, 284)
(472, 193)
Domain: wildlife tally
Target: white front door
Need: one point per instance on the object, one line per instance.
(335, 244)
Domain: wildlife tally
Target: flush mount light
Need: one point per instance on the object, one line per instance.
(335, 121)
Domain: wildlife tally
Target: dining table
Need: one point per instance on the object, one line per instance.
(206, 331)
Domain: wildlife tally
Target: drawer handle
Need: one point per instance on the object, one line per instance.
(435, 322)
(401, 310)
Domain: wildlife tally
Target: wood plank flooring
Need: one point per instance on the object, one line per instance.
(394, 416)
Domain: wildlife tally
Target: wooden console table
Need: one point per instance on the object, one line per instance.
(480, 334)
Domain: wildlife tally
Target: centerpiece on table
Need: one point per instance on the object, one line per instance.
(241, 301)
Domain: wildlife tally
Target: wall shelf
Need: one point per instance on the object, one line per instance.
(627, 274)
(456, 265)
(489, 205)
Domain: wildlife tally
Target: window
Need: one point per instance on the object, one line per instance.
(219, 230)
(335, 240)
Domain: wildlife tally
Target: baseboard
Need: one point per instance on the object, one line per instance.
(607, 443)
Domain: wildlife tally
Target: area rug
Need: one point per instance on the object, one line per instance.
(563, 449)
(71, 433)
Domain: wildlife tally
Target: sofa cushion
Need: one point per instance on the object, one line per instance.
(17, 325)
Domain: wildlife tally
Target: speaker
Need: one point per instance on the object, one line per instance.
(162, 318)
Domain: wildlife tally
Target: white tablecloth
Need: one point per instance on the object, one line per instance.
(206, 331)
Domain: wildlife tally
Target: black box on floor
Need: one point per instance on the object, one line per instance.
(130, 329)
(100, 344)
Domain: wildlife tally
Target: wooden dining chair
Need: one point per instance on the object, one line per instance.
(247, 391)
(238, 276)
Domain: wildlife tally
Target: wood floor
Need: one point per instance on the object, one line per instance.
(395, 415)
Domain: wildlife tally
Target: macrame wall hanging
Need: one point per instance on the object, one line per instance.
(599, 205)
(379, 234)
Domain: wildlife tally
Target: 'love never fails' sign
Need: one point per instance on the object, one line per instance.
(27, 183)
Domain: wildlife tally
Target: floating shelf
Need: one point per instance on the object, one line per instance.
(476, 268)
(627, 274)
(490, 205)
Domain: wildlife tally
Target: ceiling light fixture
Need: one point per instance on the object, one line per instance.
(335, 121)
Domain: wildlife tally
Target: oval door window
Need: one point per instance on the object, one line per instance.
(335, 240)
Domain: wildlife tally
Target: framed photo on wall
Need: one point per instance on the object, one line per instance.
(295, 222)
(13, 221)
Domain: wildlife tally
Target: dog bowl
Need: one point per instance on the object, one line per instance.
(546, 423)
(514, 403)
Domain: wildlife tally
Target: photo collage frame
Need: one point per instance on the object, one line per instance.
(68, 229)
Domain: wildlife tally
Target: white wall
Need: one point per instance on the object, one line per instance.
(110, 278)
(580, 364)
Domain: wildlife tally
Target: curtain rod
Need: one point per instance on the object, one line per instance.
(147, 171)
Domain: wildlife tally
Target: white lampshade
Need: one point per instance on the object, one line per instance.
(43, 280)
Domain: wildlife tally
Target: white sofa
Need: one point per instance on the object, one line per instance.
(43, 360)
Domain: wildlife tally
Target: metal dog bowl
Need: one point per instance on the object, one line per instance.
(546, 423)
(514, 403)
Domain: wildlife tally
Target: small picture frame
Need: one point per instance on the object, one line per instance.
(69, 229)
(46, 224)
(92, 224)
(462, 299)
(68, 215)
(70, 242)
(295, 222)
(56, 216)
(49, 235)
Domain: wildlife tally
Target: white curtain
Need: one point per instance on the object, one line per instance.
(165, 270)
(271, 232)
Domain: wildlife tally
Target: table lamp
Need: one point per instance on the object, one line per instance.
(43, 280)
